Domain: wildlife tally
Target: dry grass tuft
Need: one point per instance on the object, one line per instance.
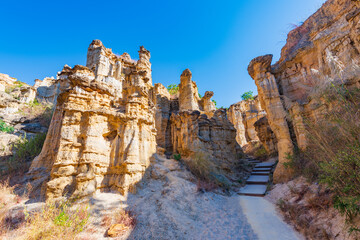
(203, 167)
(56, 222)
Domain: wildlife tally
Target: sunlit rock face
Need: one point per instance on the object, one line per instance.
(259, 70)
(47, 90)
(193, 132)
(243, 115)
(187, 124)
(324, 50)
(102, 134)
(6, 81)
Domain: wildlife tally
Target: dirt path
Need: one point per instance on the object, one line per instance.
(265, 220)
(168, 206)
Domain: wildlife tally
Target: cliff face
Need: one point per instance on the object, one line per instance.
(243, 115)
(47, 90)
(110, 120)
(193, 132)
(102, 134)
(323, 50)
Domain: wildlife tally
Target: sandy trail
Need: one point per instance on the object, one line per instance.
(168, 206)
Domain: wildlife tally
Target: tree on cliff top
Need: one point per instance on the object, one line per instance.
(247, 96)
(173, 89)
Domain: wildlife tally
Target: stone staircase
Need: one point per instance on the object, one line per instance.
(257, 183)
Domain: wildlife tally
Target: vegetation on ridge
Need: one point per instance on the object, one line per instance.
(5, 127)
(247, 96)
(173, 89)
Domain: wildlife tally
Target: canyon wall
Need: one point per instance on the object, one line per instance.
(324, 50)
(109, 121)
(193, 125)
(102, 134)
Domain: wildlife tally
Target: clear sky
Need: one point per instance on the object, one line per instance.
(215, 39)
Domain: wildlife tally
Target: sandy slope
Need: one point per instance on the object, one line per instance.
(168, 206)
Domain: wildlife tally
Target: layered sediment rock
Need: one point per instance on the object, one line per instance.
(188, 92)
(259, 69)
(193, 132)
(109, 120)
(324, 50)
(102, 134)
(197, 127)
(193, 125)
(243, 115)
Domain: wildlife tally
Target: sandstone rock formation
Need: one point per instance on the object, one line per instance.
(207, 104)
(47, 90)
(259, 69)
(102, 134)
(188, 92)
(109, 120)
(164, 107)
(243, 115)
(193, 132)
(197, 128)
(266, 135)
(6, 81)
(324, 50)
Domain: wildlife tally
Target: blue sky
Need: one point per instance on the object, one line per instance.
(215, 39)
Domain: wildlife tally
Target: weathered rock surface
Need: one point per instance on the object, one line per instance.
(164, 107)
(6, 81)
(102, 134)
(243, 115)
(109, 120)
(259, 70)
(323, 50)
(188, 92)
(193, 132)
(190, 125)
(47, 90)
(266, 135)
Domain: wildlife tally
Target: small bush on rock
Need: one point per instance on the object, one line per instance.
(25, 151)
(5, 128)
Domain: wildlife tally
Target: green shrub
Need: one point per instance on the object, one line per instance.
(56, 222)
(5, 128)
(177, 157)
(25, 151)
(173, 89)
(17, 84)
(34, 103)
(333, 152)
(247, 96)
(341, 174)
(214, 102)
